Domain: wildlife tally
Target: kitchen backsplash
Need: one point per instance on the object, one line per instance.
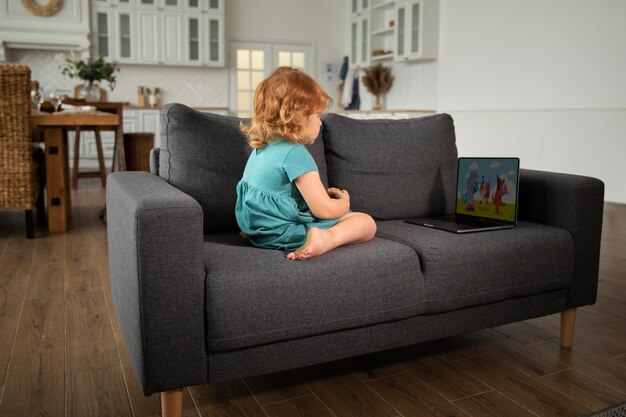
(207, 87)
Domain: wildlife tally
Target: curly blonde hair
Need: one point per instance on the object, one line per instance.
(282, 104)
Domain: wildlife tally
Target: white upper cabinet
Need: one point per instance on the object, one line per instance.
(172, 32)
(149, 32)
(359, 7)
(417, 31)
(153, 32)
(114, 34)
(360, 42)
(403, 31)
(204, 40)
(215, 44)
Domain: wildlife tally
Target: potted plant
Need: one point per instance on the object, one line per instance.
(378, 81)
(90, 70)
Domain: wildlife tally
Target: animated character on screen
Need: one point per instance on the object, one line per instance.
(501, 190)
(485, 189)
(470, 189)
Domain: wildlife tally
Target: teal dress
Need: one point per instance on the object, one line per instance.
(270, 209)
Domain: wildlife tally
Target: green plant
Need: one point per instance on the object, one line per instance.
(90, 70)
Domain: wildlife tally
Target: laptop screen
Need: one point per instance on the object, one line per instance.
(487, 188)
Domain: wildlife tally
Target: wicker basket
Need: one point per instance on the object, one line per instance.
(137, 147)
(19, 185)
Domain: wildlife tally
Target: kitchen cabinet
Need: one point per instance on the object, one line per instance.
(172, 37)
(204, 40)
(417, 30)
(359, 42)
(158, 32)
(115, 35)
(149, 32)
(403, 31)
(359, 7)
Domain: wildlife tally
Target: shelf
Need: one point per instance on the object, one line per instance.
(386, 31)
(382, 57)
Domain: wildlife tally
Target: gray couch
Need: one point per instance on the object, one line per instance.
(198, 304)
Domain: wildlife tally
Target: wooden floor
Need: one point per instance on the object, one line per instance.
(61, 352)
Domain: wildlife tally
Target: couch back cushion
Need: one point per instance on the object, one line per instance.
(204, 155)
(393, 169)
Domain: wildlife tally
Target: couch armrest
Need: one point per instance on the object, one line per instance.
(575, 203)
(157, 279)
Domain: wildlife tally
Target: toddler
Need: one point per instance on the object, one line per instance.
(281, 201)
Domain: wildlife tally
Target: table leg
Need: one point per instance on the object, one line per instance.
(57, 177)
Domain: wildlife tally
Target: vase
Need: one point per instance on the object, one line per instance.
(377, 103)
(90, 91)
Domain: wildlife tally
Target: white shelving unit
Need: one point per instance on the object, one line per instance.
(386, 30)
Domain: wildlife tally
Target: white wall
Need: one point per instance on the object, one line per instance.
(543, 80)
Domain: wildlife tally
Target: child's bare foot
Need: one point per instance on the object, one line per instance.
(318, 242)
(243, 235)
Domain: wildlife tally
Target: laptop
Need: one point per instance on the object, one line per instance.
(486, 197)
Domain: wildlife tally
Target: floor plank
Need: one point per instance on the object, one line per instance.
(40, 328)
(411, 397)
(276, 387)
(17, 261)
(343, 393)
(98, 393)
(309, 406)
(521, 388)
(524, 358)
(582, 360)
(36, 387)
(225, 400)
(376, 365)
(492, 404)
(585, 390)
(90, 340)
(522, 333)
(446, 377)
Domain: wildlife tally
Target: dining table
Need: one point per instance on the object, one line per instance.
(55, 127)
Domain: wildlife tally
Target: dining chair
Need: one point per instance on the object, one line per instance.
(102, 172)
(21, 160)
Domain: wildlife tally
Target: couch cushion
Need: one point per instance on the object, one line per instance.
(257, 296)
(478, 268)
(204, 155)
(393, 169)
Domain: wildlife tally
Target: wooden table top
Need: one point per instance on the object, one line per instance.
(75, 119)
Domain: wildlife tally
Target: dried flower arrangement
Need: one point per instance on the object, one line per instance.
(378, 81)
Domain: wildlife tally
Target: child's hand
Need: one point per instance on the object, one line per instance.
(336, 193)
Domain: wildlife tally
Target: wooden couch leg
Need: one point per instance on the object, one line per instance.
(568, 320)
(172, 403)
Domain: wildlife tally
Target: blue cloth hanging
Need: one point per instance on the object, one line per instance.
(355, 102)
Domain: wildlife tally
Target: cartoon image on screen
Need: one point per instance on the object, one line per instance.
(487, 187)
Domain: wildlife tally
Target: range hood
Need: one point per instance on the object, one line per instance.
(67, 30)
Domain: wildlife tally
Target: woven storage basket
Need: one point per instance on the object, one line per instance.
(137, 147)
(19, 185)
